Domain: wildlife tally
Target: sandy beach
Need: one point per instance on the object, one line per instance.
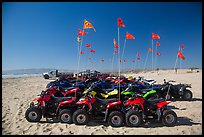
(17, 93)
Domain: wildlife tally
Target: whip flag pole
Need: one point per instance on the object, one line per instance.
(157, 53)
(114, 44)
(128, 36)
(152, 53)
(155, 58)
(154, 36)
(182, 47)
(119, 63)
(112, 63)
(120, 24)
(176, 59)
(146, 60)
(123, 54)
(80, 47)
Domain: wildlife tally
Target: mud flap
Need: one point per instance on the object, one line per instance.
(143, 117)
(158, 112)
(106, 114)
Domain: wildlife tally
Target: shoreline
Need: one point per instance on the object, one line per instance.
(21, 76)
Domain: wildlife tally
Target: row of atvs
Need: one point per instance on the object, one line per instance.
(124, 101)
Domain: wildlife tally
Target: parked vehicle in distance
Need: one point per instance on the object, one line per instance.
(55, 73)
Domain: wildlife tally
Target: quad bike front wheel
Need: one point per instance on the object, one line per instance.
(169, 118)
(187, 95)
(65, 116)
(80, 117)
(116, 119)
(133, 118)
(33, 114)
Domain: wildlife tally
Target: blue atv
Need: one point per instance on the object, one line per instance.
(66, 84)
(107, 86)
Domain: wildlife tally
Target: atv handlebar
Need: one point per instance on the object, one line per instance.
(168, 81)
(172, 81)
(43, 93)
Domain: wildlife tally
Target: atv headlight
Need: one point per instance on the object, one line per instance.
(34, 103)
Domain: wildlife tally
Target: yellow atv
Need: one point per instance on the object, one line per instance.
(103, 93)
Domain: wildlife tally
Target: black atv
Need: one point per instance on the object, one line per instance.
(177, 91)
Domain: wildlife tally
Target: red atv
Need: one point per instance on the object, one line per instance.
(139, 109)
(50, 106)
(67, 92)
(90, 107)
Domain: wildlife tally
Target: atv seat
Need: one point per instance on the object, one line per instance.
(108, 90)
(105, 101)
(60, 99)
(150, 80)
(65, 89)
(146, 90)
(153, 101)
(80, 82)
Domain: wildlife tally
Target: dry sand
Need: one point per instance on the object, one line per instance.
(17, 93)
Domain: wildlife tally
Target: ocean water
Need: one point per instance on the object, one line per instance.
(20, 75)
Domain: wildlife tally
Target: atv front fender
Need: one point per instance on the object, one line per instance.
(149, 93)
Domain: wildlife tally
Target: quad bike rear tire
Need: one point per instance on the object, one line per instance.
(80, 117)
(187, 95)
(169, 118)
(65, 116)
(133, 118)
(116, 119)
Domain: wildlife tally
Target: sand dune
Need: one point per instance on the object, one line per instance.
(17, 93)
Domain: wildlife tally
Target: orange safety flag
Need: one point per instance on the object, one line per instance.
(138, 54)
(115, 52)
(78, 39)
(102, 60)
(157, 43)
(124, 60)
(88, 45)
(116, 46)
(81, 52)
(129, 36)
(133, 61)
(120, 23)
(182, 46)
(139, 58)
(155, 36)
(149, 49)
(93, 51)
(158, 53)
(114, 41)
(81, 32)
(180, 55)
(88, 25)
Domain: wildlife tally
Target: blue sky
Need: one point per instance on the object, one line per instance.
(43, 35)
